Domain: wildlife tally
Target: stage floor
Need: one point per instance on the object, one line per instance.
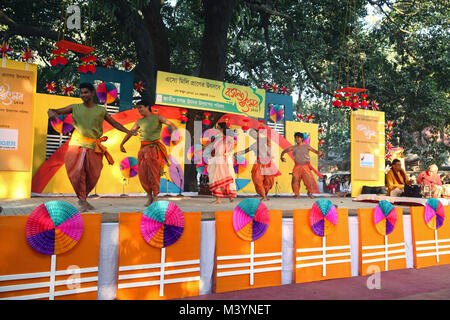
(111, 206)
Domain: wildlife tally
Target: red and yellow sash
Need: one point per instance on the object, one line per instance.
(311, 168)
(99, 148)
(161, 149)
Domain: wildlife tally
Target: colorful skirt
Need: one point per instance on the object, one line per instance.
(221, 177)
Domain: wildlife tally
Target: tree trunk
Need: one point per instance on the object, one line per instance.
(212, 66)
(138, 32)
(158, 32)
(214, 43)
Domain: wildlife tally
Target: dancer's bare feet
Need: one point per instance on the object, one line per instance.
(149, 201)
(231, 199)
(155, 198)
(297, 197)
(217, 201)
(83, 205)
(310, 195)
(264, 199)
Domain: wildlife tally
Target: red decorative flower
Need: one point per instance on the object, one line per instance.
(5, 49)
(274, 88)
(68, 89)
(28, 55)
(139, 86)
(320, 130)
(321, 142)
(310, 117)
(264, 86)
(300, 117)
(388, 145)
(51, 87)
(390, 125)
(109, 63)
(285, 90)
(375, 105)
(127, 65)
(155, 110)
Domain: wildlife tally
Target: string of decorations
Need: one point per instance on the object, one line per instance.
(352, 101)
(388, 145)
(303, 117)
(88, 64)
(206, 122)
(184, 118)
(274, 88)
(321, 136)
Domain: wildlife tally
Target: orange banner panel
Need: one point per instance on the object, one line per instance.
(145, 272)
(237, 265)
(318, 259)
(429, 246)
(25, 273)
(378, 252)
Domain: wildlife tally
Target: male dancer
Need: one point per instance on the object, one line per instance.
(264, 170)
(302, 169)
(83, 159)
(152, 152)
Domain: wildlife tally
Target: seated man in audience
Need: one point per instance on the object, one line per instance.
(396, 179)
(431, 178)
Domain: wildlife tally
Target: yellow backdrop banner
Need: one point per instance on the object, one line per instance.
(367, 149)
(197, 93)
(16, 119)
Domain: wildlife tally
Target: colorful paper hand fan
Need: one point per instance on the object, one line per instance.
(54, 227)
(276, 113)
(250, 219)
(166, 136)
(176, 172)
(208, 136)
(129, 167)
(162, 224)
(240, 164)
(106, 92)
(323, 217)
(434, 213)
(306, 139)
(62, 123)
(385, 217)
(195, 153)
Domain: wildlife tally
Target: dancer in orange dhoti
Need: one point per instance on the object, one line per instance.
(302, 169)
(264, 170)
(84, 157)
(153, 153)
(220, 166)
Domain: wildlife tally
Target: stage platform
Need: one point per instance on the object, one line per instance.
(397, 201)
(111, 206)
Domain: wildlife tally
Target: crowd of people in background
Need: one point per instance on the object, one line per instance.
(341, 188)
